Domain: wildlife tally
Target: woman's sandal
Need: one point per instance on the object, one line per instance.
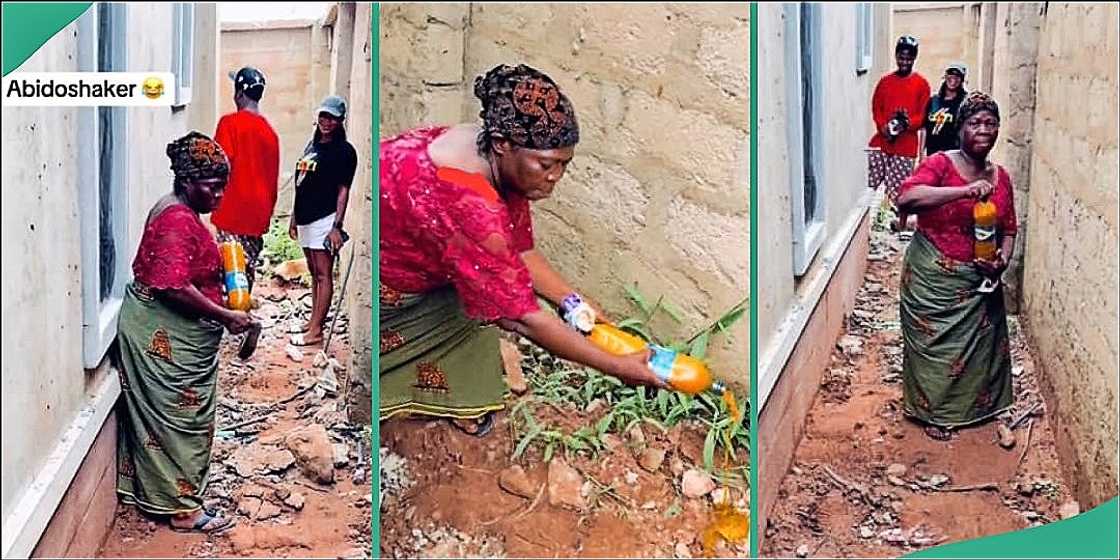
(938, 433)
(481, 428)
(207, 522)
(301, 340)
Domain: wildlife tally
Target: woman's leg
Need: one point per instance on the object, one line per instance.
(322, 281)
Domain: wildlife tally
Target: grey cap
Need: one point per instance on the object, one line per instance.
(957, 68)
(333, 105)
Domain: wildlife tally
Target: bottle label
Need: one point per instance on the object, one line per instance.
(661, 361)
(984, 233)
(237, 281)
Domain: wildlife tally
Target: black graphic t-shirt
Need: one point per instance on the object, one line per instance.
(319, 174)
(941, 124)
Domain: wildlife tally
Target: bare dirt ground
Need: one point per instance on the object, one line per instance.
(450, 494)
(867, 482)
(277, 487)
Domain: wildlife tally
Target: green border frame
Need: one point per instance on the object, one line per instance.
(375, 260)
(754, 275)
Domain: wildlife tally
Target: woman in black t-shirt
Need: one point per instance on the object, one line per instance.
(322, 178)
(941, 113)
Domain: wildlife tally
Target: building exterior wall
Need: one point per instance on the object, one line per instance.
(799, 317)
(359, 221)
(1070, 270)
(47, 394)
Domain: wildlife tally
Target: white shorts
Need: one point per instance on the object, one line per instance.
(313, 235)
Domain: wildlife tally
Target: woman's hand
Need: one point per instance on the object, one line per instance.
(335, 240)
(993, 268)
(292, 231)
(634, 370)
(237, 322)
(979, 189)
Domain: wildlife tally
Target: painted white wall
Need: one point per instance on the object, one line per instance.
(48, 398)
(784, 299)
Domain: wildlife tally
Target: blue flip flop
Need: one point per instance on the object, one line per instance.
(202, 524)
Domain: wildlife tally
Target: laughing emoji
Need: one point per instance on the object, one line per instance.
(152, 88)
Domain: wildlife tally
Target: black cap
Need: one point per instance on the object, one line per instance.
(908, 42)
(246, 79)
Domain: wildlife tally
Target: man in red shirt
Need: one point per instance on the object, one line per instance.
(253, 148)
(898, 108)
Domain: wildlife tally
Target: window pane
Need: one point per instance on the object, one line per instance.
(807, 115)
(105, 180)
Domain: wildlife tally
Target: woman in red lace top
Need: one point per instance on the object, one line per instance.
(457, 252)
(957, 358)
(170, 325)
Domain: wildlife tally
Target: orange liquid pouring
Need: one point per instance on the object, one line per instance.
(728, 522)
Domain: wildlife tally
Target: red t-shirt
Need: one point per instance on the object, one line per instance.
(254, 160)
(911, 94)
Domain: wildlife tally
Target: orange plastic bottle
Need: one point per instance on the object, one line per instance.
(984, 216)
(680, 371)
(237, 283)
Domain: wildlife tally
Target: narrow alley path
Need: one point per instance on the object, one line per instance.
(867, 482)
(297, 481)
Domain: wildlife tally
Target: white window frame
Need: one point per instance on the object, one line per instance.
(808, 235)
(865, 23)
(182, 51)
(99, 317)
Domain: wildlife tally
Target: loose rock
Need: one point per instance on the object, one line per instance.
(249, 506)
(268, 511)
(341, 454)
(1006, 438)
(564, 484)
(1069, 509)
(516, 481)
(313, 451)
(511, 363)
(695, 483)
(802, 551)
(295, 501)
(651, 459)
(682, 551)
(897, 469)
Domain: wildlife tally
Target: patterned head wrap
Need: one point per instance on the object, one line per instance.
(525, 106)
(975, 102)
(196, 156)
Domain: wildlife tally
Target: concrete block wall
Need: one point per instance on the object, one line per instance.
(948, 32)
(1070, 272)
(1015, 55)
(658, 192)
(359, 222)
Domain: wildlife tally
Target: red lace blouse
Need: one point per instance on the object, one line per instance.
(443, 227)
(950, 226)
(176, 251)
